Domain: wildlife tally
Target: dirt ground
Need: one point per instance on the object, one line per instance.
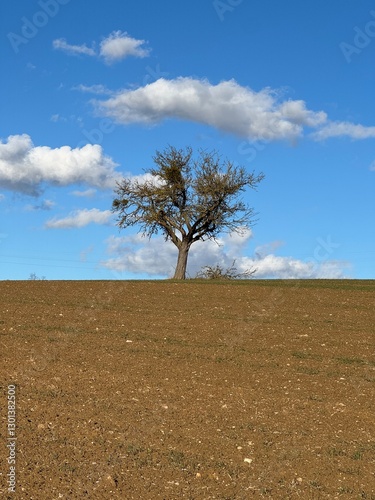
(194, 390)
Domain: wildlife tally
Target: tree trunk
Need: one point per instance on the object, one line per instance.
(183, 251)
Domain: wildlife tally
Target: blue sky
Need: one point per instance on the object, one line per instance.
(90, 90)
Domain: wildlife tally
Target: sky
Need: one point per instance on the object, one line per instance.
(91, 90)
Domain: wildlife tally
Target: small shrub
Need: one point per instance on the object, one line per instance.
(219, 273)
(34, 277)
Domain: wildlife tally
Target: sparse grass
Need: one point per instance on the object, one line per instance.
(66, 467)
(265, 491)
(351, 361)
(358, 455)
(316, 484)
(336, 452)
(367, 496)
(307, 355)
(308, 371)
(313, 397)
(220, 359)
(350, 472)
(134, 449)
(177, 458)
(342, 284)
(360, 285)
(345, 489)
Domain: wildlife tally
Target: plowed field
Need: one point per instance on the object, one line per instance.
(196, 390)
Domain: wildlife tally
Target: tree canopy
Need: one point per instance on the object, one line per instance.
(186, 199)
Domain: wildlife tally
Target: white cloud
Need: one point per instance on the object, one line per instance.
(44, 205)
(2, 197)
(139, 255)
(273, 266)
(61, 44)
(344, 129)
(119, 45)
(84, 253)
(57, 118)
(296, 112)
(226, 106)
(88, 193)
(93, 89)
(142, 178)
(26, 168)
(80, 218)
(268, 248)
(372, 166)
(115, 47)
(155, 257)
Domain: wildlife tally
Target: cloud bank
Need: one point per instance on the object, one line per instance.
(344, 129)
(81, 218)
(87, 193)
(157, 258)
(228, 107)
(26, 169)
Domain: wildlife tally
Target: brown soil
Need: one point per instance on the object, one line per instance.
(164, 390)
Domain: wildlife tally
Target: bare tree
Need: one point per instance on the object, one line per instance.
(186, 200)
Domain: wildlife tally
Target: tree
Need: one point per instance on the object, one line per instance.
(186, 200)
